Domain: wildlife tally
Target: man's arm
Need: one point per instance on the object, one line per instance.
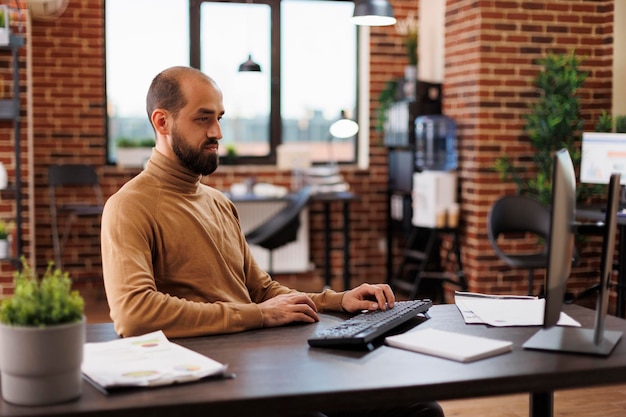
(136, 305)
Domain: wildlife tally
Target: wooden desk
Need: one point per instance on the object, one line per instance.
(278, 374)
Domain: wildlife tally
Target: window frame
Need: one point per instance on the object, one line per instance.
(275, 116)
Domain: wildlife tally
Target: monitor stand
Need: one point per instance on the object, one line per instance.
(573, 339)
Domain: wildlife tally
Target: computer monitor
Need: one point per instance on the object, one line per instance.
(596, 341)
(603, 154)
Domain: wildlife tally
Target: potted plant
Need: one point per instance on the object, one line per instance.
(42, 333)
(5, 31)
(554, 122)
(6, 227)
(408, 29)
(387, 97)
(620, 124)
(230, 158)
(133, 153)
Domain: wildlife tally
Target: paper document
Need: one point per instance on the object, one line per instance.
(143, 361)
(505, 310)
(449, 345)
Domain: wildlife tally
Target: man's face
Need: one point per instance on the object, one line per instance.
(196, 131)
(201, 161)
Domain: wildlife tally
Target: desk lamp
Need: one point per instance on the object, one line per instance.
(327, 178)
(341, 129)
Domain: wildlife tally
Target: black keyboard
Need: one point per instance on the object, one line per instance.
(362, 329)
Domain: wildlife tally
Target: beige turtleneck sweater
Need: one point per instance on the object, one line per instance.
(174, 258)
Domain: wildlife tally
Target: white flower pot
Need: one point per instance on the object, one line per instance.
(5, 248)
(4, 177)
(41, 365)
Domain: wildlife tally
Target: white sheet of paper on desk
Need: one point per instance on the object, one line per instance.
(505, 310)
(148, 360)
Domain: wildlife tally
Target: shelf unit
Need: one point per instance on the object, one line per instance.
(420, 255)
(10, 111)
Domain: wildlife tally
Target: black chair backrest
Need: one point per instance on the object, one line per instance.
(282, 228)
(72, 174)
(518, 214)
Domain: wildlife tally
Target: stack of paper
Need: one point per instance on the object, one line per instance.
(505, 310)
(455, 346)
(143, 361)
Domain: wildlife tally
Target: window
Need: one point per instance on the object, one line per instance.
(137, 49)
(308, 46)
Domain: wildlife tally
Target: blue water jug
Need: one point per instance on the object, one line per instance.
(435, 143)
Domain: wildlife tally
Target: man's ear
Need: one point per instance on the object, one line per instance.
(160, 121)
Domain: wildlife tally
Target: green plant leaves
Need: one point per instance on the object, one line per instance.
(42, 302)
(553, 123)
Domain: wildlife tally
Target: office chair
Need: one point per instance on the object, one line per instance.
(282, 228)
(71, 175)
(519, 214)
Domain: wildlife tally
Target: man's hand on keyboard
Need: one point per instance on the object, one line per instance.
(368, 297)
(288, 308)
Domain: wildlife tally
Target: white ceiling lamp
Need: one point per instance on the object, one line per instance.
(344, 127)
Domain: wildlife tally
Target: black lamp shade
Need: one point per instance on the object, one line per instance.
(373, 13)
(249, 65)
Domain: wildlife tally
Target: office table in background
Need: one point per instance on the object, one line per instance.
(326, 199)
(596, 214)
(277, 374)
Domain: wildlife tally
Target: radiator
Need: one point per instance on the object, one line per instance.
(291, 258)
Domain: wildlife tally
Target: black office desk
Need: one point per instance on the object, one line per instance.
(595, 213)
(278, 374)
(327, 199)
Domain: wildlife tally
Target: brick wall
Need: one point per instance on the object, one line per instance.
(490, 51)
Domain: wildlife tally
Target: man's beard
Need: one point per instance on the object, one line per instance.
(193, 159)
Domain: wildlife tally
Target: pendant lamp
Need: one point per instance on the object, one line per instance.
(249, 65)
(340, 129)
(344, 127)
(373, 13)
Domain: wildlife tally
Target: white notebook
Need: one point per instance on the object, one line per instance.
(449, 345)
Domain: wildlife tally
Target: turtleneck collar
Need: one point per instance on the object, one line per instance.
(172, 172)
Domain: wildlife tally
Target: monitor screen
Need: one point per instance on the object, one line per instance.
(602, 155)
(561, 240)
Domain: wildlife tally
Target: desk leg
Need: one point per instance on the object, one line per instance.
(620, 308)
(327, 248)
(346, 245)
(541, 404)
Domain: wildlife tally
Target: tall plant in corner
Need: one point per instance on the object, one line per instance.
(553, 123)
